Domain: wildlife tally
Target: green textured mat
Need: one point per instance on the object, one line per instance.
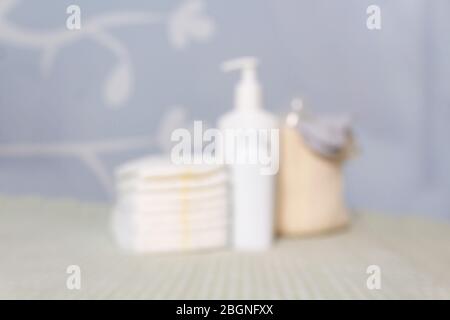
(40, 238)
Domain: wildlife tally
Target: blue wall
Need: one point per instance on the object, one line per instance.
(62, 132)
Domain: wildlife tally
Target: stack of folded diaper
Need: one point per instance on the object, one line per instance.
(162, 206)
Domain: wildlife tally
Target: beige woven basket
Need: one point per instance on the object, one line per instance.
(310, 192)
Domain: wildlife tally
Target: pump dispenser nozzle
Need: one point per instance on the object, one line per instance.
(248, 94)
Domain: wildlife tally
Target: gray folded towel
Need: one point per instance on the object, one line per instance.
(326, 135)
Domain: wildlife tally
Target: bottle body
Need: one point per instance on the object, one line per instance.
(252, 189)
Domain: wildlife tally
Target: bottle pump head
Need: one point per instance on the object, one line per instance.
(248, 95)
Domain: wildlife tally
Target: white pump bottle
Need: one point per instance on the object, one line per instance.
(253, 191)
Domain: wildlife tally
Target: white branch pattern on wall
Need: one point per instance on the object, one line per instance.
(89, 152)
(186, 23)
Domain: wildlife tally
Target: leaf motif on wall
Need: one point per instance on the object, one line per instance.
(118, 85)
(174, 118)
(187, 22)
